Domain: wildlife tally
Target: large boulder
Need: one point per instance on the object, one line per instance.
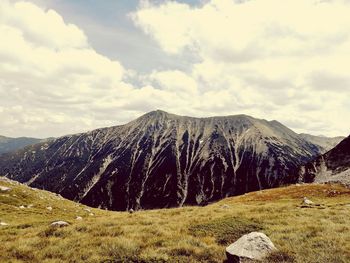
(251, 247)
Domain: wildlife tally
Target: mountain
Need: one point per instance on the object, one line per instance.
(323, 143)
(8, 144)
(331, 166)
(163, 160)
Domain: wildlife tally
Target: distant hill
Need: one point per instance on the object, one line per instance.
(8, 144)
(324, 143)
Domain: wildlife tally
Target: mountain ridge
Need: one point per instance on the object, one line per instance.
(8, 144)
(163, 160)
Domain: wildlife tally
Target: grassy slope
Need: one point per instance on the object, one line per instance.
(188, 234)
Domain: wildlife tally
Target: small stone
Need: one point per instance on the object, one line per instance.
(4, 189)
(225, 206)
(306, 201)
(87, 210)
(59, 224)
(131, 210)
(91, 214)
(253, 246)
(79, 218)
(3, 224)
(29, 206)
(49, 208)
(21, 206)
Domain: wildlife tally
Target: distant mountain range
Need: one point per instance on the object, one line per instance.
(324, 143)
(8, 144)
(333, 166)
(165, 160)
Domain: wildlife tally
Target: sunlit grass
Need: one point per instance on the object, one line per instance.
(188, 234)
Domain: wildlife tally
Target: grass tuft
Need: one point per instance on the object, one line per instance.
(225, 230)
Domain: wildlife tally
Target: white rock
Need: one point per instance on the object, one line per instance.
(3, 224)
(4, 188)
(29, 206)
(91, 214)
(253, 246)
(22, 206)
(87, 210)
(49, 208)
(59, 224)
(306, 201)
(79, 218)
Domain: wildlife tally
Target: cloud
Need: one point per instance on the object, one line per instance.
(51, 79)
(284, 60)
(270, 59)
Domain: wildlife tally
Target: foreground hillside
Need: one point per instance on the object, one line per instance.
(188, 234)
(164, 160)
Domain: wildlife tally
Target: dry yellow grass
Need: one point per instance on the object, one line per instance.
(187, 234)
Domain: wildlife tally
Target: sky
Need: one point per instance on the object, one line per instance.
(72, 66)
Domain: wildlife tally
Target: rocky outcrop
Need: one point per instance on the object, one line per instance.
(163, 160)
(333, 166)
(254, 246)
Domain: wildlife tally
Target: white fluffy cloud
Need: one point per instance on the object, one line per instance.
(52, 82)
(285, 60)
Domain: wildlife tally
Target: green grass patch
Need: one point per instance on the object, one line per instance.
(225, 230)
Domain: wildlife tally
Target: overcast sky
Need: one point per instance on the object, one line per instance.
(72, 66)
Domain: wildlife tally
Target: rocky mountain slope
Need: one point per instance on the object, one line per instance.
(331, 166)
(8, 144)
(163, 160)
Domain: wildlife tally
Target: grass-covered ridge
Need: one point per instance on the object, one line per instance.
(188, 234)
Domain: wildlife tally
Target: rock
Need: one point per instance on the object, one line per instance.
(59, 224)
(131, 210)
(4, 188)
(306, 201)
(253, 246)
(87, 210)
(225, 206)
(29, 206)
(79, 218)
(21, 206)
(91, 214)
(3, 224)
(49, 208)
